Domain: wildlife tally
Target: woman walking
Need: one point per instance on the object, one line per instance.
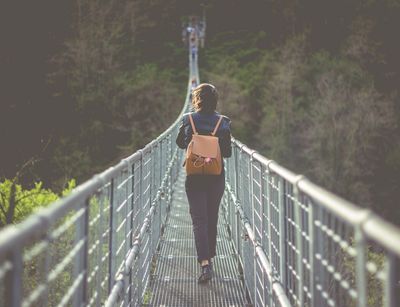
(204, 192)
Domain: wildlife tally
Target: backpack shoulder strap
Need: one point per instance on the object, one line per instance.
(192, 124)
(217, 125)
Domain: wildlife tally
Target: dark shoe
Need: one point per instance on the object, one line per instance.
(206, 274)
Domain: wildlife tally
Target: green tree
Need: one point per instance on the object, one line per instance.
(347, 120)
(17, 203)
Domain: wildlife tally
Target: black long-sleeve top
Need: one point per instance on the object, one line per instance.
(205, 124)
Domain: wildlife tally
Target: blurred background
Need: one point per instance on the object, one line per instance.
(311, 84)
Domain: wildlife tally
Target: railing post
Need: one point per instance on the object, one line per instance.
(45, 296)
(141, 218)
(312, 251)
(237, 197)
(226, 198)
(318, 254)
(265, 190)
(282, 230)
(128, 215)
(168, 157)
(361, 276)
(299, 239)
(151, 192)
(81, 258)
(86, 253)
(392, 286)
(100, 232)
(131, 225)
(13, 278)
(140, 200)
(251, 196)
(160, 181)
(111, 248)
(269, 227)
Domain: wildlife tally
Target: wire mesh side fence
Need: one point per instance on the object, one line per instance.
(70, 253)
(96, 245)
(300, 245)
(132, 275)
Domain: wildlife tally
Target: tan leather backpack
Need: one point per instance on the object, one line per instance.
(203, 155)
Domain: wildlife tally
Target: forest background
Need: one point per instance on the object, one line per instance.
(311, 84)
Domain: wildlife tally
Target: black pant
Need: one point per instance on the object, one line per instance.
(204, 193)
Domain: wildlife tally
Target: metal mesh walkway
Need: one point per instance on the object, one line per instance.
(174, 281)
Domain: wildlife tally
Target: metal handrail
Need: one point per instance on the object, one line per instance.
(373, 226)
(303, 245)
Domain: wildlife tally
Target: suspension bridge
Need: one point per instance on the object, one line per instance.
(124, 238)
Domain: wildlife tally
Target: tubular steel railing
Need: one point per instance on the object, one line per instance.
(301, 245)
(96, 245)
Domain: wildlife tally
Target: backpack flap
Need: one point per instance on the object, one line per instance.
(205, 145)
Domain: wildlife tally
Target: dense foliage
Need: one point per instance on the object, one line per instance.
(311, 84)
(314, 112)
(106, 88)
(16, 203)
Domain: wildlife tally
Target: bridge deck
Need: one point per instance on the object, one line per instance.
(174, 281)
